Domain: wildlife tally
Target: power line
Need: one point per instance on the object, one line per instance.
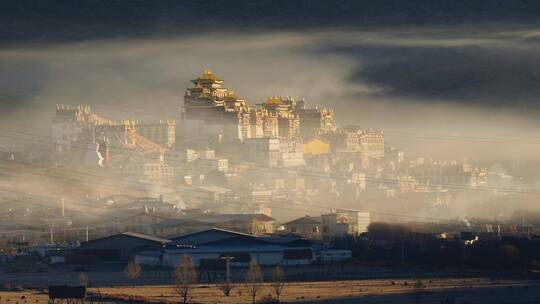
(381, 214)
(389, 181)
(288, 208)
(307, 204)
(419, 136)
(334, 177)
(277, 207)
(301, 173)
(443, 137)
(122, 109)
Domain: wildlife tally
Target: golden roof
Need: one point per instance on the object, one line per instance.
(273, 100)
(208, 75)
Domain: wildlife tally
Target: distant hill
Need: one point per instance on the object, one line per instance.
(71, 20)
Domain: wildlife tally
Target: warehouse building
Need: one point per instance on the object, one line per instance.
(211, 246)
(119, 247)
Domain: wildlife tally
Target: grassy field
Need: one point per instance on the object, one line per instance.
(471, 290)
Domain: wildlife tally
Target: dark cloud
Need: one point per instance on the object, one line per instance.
(533, 38)
(67, 20)
(388, 79)
(483, 74)
(498, 70)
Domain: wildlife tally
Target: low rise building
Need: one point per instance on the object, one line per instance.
(344, 222)
(334, 225)
(265, 151)
(255, 224)
(149, 169)
(307, 227)
(161, 132)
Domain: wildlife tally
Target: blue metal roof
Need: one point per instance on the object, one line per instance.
(209, 236)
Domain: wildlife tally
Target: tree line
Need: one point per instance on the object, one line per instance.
(400, 244)
(185, 278)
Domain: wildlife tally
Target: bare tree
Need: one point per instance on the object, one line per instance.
(278, 281)
(185, 276)
(254, 278)
(133, 272)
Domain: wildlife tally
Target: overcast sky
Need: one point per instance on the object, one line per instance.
(443, 67)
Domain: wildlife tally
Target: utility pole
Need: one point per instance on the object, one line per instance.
(87, 232)
(52, 235)
(227, 288)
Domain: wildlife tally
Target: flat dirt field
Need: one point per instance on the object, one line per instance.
(436, 291)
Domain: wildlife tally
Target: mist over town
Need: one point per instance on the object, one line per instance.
(146, 159)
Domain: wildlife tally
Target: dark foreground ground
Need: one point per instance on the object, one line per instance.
(399, 290)
(114, 275)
